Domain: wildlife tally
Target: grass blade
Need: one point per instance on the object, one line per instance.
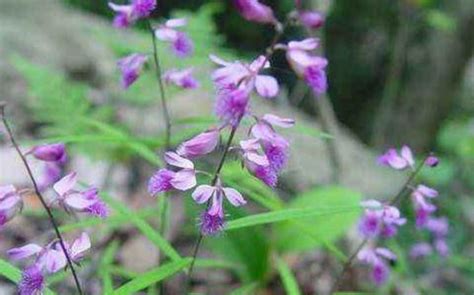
(289, 280)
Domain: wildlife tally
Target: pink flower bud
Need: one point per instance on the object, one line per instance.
(55, 152)
(311, 19)
(432, 161)
(253, 10)
(199, 145)
(131, 66)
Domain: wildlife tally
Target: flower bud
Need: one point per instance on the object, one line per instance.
(55, 152)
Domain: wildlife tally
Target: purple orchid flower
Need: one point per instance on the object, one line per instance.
(232, 104)
(257, 163)
(181, 45)
(86, 201)
(423, 208)
(245, 75)
(399, 162)
(377, 257)
(51, 258)
(131, 66)
(10, 203)
(129, 14)
(32, 281)
(212, 220)
(181, 78)
(202, 144)
(309, 67)
(420, 250)
(432, 161)
(379, 219)
(253, 10)
(165, 180)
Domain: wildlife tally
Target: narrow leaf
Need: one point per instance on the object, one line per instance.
(152, 277)
(289, 280)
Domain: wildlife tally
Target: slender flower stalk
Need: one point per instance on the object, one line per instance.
(40, 197)
(394, 201)
(159, 76)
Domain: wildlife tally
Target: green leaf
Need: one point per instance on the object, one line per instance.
(145, 228)
(289, 280)
(318, 230)
(152, 277)
(247, 289)
(247, 248)
(105, 263)
(286, 214)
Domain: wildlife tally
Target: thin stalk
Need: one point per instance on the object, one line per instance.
(394, 200)
(159, 76)
(213, 183)
(40, 196)
(167, 120)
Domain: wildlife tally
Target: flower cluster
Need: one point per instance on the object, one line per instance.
(47, 260)
(181, 45)
(264, 153)
(382, 220)
(50, 259)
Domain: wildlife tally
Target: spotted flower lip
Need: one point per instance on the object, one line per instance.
(131, 67)
(253, 10)
(165, 179)
(86, 201)
(245, 75)
(397, 161)
(180, 43)
(181, 78)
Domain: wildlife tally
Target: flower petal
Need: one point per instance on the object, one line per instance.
(266, 86)
(203, 193)
(234, 197)
(79, 246)
(66, 184)
(24, 251)
(278, 121)
(184, 180)
(176, 160)
(78, 201)
(407, 155)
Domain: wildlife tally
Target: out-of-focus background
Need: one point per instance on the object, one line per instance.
(400, 72)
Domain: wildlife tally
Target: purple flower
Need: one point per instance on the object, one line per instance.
(55, 152)
(181, 45)
(183, 78)
(253, 10)
(202, 144)
(379, 219)
(129, 14)
(232, 104)
(393, 159)
(51, 174)
(245, 75)
(143, 8)
(131, 66)
(86, 201)
(212, 220)
(311, 19)
(420, 250)
(421, 216)
(377, 259)
(423, 208)
(52, 258)
(10, 203)
(257, 163)
(439, 227)
(432, 161)
(32, 281)
(441, 247)
(125, 16)
(309, 67)
(165, 180)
